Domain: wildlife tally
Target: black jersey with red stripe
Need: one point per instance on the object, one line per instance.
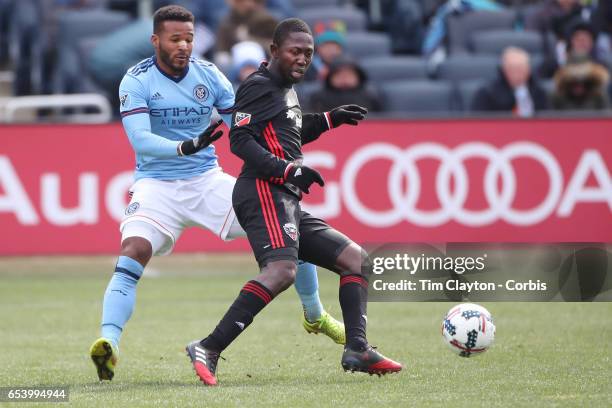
(269, 128)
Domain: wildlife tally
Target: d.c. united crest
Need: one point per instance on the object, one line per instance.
(291, 230)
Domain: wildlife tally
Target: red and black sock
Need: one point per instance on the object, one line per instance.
(354, 301)
(252, 299)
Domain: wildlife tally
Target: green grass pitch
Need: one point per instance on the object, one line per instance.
(545, 354)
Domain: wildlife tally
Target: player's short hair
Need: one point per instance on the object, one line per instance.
(171, 13)
(288, 26)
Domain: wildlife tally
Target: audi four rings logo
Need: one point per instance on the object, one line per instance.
(452, 184)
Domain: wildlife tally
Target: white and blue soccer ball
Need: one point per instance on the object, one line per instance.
(468, 329)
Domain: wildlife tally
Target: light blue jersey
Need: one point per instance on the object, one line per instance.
(160, 111)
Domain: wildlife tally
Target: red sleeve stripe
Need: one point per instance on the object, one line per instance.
(328, 120)
(135, 111)
(272, 141)
(287, 170)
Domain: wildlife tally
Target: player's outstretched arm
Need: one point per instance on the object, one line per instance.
(211, 134)
(270, 167)
(346, 114)
(314, 124)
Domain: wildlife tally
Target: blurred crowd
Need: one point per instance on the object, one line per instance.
(412, 57)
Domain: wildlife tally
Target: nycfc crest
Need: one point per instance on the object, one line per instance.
(291, 230)
(200, 92)
(132, 208)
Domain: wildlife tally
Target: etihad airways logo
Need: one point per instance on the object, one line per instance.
(177, 112)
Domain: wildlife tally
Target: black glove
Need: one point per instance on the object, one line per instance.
(302, 177)
(349, 114)
(198, 143)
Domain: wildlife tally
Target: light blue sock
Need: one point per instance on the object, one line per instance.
(120, 297)
(307, 287)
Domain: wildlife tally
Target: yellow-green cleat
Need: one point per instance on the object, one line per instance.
(328, 326)
(104, 356)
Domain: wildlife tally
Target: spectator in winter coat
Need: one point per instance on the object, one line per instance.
(581, 85)
(345, 84)
(514, 90)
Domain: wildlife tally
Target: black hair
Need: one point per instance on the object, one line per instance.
(171, 13)
(288, 26)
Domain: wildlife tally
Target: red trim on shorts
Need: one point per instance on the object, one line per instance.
(266, 214)
(225, 222)
(149, 218)
(274, 216)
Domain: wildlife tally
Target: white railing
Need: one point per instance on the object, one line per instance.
(12, 106)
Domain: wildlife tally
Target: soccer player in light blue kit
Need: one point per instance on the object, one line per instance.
(166, 107)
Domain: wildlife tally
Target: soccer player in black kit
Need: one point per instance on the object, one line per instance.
(268, 131)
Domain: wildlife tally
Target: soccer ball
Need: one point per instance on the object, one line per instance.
(468, 329)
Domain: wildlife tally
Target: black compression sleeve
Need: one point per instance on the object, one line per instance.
(313, 124)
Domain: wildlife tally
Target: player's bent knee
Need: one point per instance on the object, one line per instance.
(138, 249)
(351, 259)
(159, 242)
(278, 276)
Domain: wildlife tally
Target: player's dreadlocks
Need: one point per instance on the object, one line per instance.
(171, 13)
(288, 26)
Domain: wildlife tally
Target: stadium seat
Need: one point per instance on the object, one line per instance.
(354, 18)
(462, 67)
(83, 50)
(417, 96)
(74, 26)
(494, 41)
(548, 85)
(466, 90)
(461, 27)
(305, 4)
(365, 44)
(392, 68)
(535, 61)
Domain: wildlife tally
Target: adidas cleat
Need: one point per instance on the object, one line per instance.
(328, 326)
(204, 362)
(104, 356)
(368, 361)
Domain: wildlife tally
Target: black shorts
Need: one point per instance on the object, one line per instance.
(278, 229)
